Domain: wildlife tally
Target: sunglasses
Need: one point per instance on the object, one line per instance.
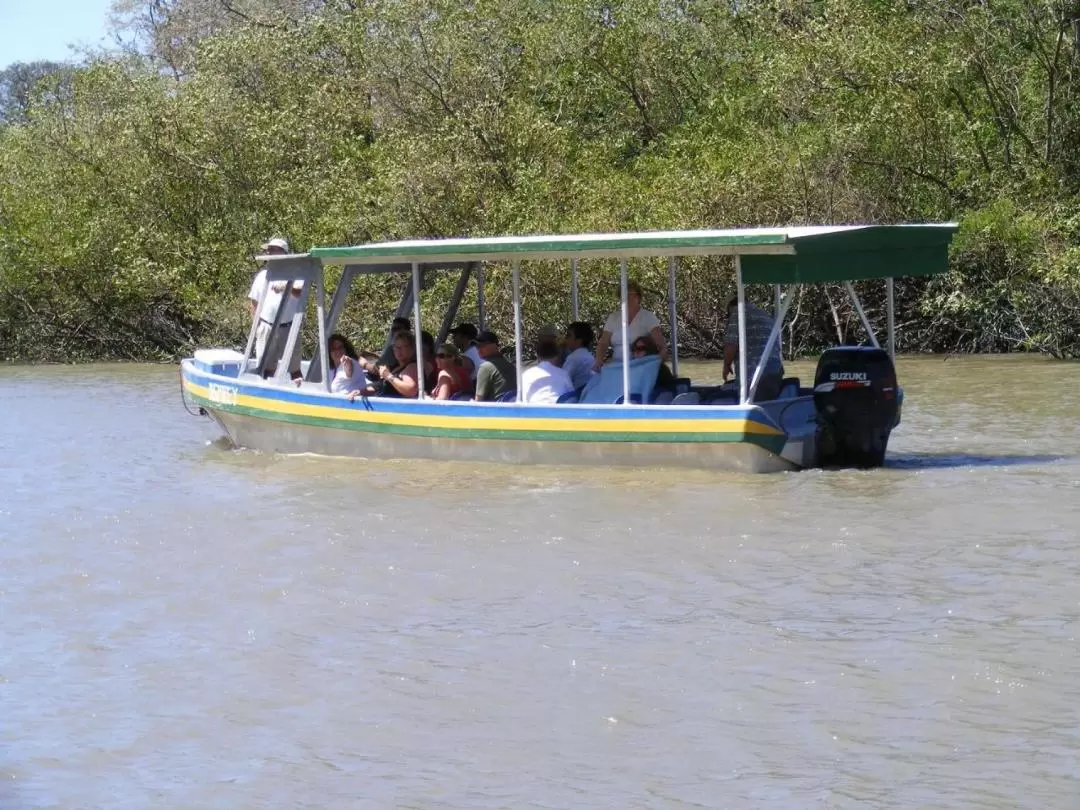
(443, 355)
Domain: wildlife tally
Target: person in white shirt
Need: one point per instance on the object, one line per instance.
(640, 323)
(346, 373)
(579, 360)
(545, 382)
(273, 299)
(464, 337)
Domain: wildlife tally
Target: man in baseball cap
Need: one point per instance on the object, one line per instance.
(268, 339)
(275, 246)
(496, 375)
(464, 337)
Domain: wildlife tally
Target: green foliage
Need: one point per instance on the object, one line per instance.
(131, 197)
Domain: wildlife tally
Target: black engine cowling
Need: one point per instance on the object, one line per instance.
(856, 397)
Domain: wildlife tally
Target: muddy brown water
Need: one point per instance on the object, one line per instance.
(186, 625)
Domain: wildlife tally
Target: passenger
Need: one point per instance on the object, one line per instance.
(759, 325)
(579, 361)
(548, 332)
(665, 378)
(397, 326)
(545, 382)
(346, 372)
(641, 322)
(496, 375)
(273, 345)
(400, 380)
(427, 342)
(464, 337)
(452, 378)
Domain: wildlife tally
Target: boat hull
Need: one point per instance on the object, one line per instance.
(263, 416)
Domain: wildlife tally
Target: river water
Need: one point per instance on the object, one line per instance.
(183, 625)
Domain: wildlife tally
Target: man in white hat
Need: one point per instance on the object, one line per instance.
(272, 300)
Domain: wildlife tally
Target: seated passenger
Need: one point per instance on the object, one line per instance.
(452, 378)
(640, 323)
(579, 360)
(545, 382)
(464, 337)
(397, 326)
(759, 325)
(430, 371)
(346, 372)
(496, 375)
(665, 378)
(400, 380)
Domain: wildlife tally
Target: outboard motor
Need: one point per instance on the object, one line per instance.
(856, 398)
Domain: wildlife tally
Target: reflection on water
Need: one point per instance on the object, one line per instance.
(187, 625)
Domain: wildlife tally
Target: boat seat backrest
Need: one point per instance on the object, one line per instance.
(569, 396)
(662, 398)
(789, 388)
(507, 396)
(689, 398)
(606, 388)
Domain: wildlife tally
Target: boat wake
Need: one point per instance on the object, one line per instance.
(930, 461)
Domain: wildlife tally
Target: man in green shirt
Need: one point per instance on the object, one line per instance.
(496, 375)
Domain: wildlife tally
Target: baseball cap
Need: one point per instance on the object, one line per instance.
(277, 242)
(487, 336)
(465, 330)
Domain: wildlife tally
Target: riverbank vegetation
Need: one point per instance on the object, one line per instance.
(135, 185)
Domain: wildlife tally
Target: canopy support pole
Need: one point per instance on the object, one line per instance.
(740, 292)
(777, 303)
(251, 332)
(337, 300)
(862, 315)
(624, 316)
(455, 304)
(283, 372)
(575, 302)
(774, 338)
(517, 330)
(672, 316)
(890, 303)
(481, 303)
(417, 336)
(320, 313)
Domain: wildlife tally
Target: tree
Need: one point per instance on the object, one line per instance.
(22, 83)
(170, 30)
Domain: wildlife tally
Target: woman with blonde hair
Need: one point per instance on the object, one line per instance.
(452, 375)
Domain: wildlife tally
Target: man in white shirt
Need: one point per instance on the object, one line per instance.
(269, 339)
(579, 360)
(545, 382)
(464, 337)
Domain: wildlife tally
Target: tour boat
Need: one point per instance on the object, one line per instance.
(843, 419)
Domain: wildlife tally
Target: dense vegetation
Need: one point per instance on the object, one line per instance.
(134, 186)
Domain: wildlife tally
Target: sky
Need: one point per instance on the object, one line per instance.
(43, 29)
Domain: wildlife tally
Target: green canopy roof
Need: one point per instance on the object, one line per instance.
(768, 255)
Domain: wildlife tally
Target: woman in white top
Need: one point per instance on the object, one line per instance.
(640, 323)
(347, 375)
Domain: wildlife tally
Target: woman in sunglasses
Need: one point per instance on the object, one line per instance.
(665, 379)
(453, 378)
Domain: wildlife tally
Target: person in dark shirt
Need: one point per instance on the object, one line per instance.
(496, 375)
